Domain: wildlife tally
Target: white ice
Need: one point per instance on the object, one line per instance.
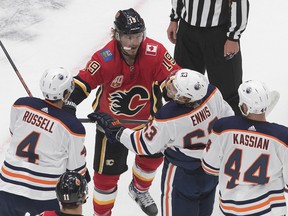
(39, 34)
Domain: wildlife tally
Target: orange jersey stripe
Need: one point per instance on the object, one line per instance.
(168, 189)
(139, 146)
(20, 176)
(206, 169)
(250, 208)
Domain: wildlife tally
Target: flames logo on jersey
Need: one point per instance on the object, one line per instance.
(129, 102)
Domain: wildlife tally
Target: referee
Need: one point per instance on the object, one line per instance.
(206, 35)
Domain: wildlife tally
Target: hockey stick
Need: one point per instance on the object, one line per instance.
(275, 96)
(123, 121)
(15, 69)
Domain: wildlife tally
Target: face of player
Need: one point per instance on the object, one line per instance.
(171, 90)
(172, 93)
(131, 43)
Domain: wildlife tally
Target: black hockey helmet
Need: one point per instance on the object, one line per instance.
(71, 188)
(129, 22)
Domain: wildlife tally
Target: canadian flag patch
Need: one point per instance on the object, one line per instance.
(151, 49)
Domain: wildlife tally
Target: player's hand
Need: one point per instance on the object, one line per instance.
(110, 125)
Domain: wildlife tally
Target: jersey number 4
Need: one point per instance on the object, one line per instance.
(27, 146)
(255, 174)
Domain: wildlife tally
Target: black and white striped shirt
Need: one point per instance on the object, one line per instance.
(210, 13)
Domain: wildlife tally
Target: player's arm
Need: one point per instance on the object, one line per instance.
(146, 141)
(86, 80)
(224, 109)
(285, 168)
(168, 65)
(76, 151)
(211, 155)
(80, 92)
(13, 118)
(14, 114)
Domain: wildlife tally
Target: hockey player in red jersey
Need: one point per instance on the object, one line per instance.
(72, 192)
(128, 71)
(180, 130)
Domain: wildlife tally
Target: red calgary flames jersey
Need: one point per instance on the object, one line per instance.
(127, 91)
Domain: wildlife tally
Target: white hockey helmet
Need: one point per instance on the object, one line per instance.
(54, 82)
(188, 83)
(255, 95)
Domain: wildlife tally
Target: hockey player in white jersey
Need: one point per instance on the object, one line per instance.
(45, 142)
(180, 130)
(250, 155)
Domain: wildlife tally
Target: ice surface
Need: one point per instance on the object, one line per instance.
(39, 34)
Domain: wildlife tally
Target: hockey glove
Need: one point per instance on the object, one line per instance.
(70, 106)
(110, 125)
(87, 175)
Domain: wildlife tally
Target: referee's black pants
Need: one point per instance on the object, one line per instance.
(202, 49)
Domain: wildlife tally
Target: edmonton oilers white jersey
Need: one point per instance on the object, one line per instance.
(45, 142)
(251, 159)
(179, 131)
